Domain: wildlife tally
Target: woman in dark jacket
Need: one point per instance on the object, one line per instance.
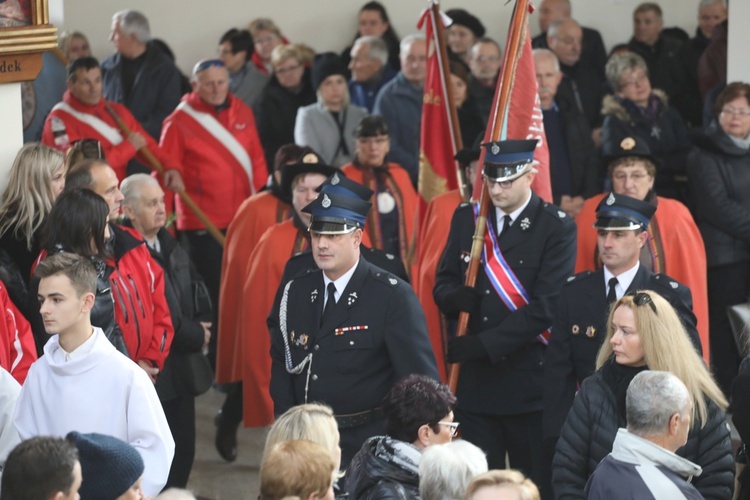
(288, 90)
(643, 333)
(469, 118)
(719, 176)
(637, 110)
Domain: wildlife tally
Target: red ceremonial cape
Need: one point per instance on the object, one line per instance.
(432, 239)
(253, 218)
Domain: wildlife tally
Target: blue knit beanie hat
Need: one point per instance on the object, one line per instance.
(109, 465)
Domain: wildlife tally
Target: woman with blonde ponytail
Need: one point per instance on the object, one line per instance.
(643, 333)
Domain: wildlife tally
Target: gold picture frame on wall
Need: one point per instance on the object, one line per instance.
(25, 33)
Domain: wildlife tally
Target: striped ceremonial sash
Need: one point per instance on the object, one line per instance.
(105, 129)
(501, 276)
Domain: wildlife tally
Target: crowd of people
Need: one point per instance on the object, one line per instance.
(257, 228)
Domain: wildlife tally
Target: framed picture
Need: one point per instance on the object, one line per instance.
(25, 33)
(24, 27)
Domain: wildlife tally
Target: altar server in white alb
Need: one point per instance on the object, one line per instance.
(212, 135)
(82, 383)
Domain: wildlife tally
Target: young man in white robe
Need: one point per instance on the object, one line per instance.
(82, 383)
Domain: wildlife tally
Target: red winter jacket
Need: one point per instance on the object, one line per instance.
(137, 285)
(61, 129)
(213, 177)
(17, 348)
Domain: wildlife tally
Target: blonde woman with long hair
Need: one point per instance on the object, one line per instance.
(36, 179)
(643, 332)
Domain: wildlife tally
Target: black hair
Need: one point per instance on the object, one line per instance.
(76, 223)
(371, 126)
(413, 402)
(239, 40)
(84, 63)
(38, 468)
(389, 37)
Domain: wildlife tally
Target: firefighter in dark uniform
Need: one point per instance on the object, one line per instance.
(500, 383)
(344, 334)
(582, 309)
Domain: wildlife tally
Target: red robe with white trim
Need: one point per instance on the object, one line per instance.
(61, 129)
(213, 177)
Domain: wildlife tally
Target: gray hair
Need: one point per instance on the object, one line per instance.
(548, 53)
(376, 48)
(133, 22)
(652, 398)
(175, 494)
(620, 63)
(408, 40)
(555, 26)
(708, 3)
(446, 470)
(131, 186)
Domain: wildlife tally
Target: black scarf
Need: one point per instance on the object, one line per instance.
(618, 378)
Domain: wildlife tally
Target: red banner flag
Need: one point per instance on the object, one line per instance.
(525, 119)
(438, 171)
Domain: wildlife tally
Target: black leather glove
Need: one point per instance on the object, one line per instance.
(464, 348)
(463, 298)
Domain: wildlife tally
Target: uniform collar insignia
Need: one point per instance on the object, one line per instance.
(314, 295)
(352, 299)
(525, 223)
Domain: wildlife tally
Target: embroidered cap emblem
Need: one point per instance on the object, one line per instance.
(495, 149)
(326, 201)
(627, 144)
(310, 158)
(611, 199)
(335, 179)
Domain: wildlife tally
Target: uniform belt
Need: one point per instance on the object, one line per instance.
(357, 419)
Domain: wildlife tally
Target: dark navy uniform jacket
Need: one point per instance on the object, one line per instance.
(540, 247)
(376, 336)
(580, 328)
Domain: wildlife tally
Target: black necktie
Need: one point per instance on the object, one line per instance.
(506, 225)
(330, 302)
(611, 294)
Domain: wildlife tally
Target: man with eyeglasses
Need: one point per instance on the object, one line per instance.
(390, 224)
(529, 251)
(580, 321)
(485, 58)
(212, 134)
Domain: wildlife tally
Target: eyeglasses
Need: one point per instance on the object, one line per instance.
(502, 184)
(453, 427)
(288, 69)
(736, 112)
(642, 298)
(208, 63)
(372, 141)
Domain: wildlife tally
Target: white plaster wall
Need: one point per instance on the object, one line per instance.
(192, 27)
(11, 128)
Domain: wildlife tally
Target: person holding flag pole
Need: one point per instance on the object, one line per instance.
(526, 249)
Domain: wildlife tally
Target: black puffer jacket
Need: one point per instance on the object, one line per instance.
(719, 181)
(384, 469)
(591, 427)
